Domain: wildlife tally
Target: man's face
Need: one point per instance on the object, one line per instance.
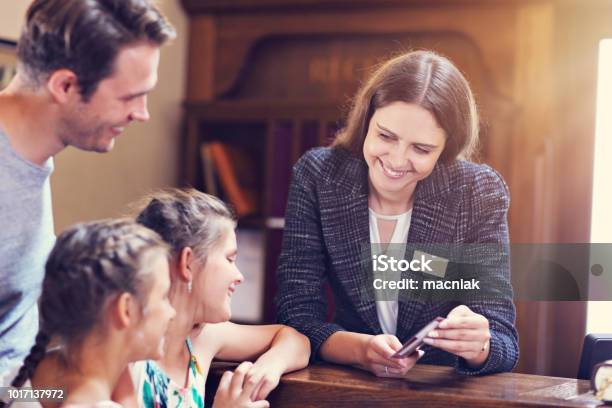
(117, 101)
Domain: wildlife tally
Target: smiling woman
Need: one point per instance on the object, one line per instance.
(401, 148)
(397, 175)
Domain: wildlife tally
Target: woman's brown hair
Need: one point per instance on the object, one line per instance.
(428, 80)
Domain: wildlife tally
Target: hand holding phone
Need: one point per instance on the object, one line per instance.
(417, 340)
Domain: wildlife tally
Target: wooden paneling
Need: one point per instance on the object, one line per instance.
(496, 51)
(202, 57)
(274, 6)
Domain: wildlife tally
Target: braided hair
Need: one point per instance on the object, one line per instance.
(88, 265)
(186, 218)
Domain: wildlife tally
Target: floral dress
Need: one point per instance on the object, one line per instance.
(156, 390)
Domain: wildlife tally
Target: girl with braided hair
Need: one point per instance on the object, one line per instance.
(104, 303)
(200, 231)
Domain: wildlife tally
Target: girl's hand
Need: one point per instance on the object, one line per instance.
(376, 357)
(235, 390)
(266, 373)
(463, 333)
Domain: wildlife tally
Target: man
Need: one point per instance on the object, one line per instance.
(85, 69)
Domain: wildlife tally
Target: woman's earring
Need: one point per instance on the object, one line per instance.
(189, 286)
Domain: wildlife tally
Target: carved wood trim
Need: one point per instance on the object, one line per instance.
(241, 6)
(233, 46)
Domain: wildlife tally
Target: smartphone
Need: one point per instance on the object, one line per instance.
(415, 341)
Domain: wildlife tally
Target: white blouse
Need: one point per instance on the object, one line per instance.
(387, 309)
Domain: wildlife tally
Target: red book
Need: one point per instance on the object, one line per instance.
(229, 164)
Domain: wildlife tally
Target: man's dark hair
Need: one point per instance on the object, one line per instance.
(85, 36)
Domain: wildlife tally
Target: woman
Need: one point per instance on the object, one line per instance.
(104, 303)
(393, 176)
(200, 231)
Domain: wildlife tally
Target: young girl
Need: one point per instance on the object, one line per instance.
(200, 231)
(104, 303)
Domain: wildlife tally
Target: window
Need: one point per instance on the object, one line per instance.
(599, 312)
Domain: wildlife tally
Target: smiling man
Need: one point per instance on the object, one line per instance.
(85, 70)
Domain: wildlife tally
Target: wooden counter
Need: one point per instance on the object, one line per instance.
(328, 385)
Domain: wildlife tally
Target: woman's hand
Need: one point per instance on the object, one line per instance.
(266, 373)
(235, 390)
(376, 357)
(463, 333)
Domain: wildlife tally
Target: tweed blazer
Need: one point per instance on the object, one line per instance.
(326, 226)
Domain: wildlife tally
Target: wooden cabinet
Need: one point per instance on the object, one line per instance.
(531, 63)
(275, 135)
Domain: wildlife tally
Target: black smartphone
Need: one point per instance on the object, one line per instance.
(415, 341)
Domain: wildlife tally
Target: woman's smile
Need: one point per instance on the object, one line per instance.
(401, 148)
(392, 173)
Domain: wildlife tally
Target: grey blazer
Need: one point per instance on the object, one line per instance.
(326, 226)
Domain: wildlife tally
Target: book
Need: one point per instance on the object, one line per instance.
(208, 170)
(236, 174)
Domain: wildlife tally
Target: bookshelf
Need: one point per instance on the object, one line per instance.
(273, 136)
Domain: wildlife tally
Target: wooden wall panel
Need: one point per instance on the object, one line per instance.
(202, 57)
(496, 51)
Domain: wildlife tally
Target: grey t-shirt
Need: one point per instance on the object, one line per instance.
(26, 238)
